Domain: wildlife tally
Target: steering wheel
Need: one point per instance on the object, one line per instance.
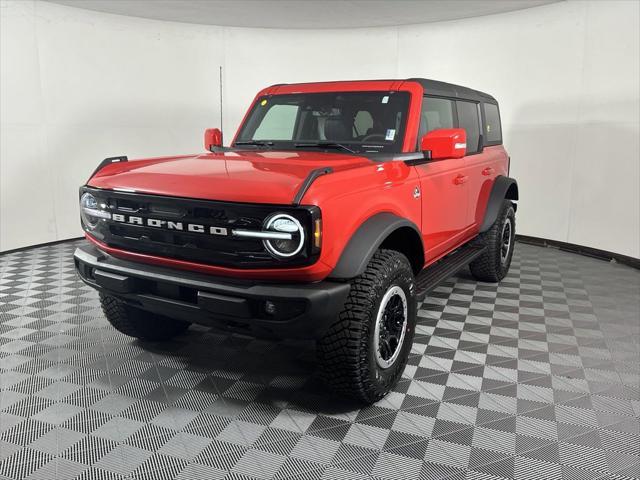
(373, 136)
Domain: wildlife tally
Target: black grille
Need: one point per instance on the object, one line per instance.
(214, 249)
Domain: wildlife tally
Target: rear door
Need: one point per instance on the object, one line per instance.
(489, 157)
(469, 119)
(443, 189)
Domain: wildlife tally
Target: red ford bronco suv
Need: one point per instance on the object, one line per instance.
(336, 208)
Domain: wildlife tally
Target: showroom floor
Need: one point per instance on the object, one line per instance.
(535, 378)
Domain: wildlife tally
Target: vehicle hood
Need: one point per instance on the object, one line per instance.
(234, 176)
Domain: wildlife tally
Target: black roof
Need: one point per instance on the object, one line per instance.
(434, 87)
(431, 87)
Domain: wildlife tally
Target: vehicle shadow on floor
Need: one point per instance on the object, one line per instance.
(279, 373)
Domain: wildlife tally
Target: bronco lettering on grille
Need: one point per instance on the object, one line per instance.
(168, 224)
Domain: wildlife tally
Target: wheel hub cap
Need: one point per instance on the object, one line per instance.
(505, 246)
(391, 324)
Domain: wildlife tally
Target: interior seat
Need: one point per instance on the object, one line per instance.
(335, 128)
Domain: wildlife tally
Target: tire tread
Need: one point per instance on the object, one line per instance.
(343, 350)
(486, 267)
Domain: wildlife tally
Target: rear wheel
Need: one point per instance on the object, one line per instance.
(363, 354)
(493, 265)
(139, 323)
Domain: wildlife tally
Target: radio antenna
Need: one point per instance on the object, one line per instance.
(221, 127)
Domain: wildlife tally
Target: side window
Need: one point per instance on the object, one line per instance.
(469, 119)
(492, 128)
(436, 113)
(278, 123)
(362, 123)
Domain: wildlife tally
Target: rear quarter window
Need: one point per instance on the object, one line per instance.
(492, 127)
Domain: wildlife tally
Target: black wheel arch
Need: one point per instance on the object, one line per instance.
(503, 188)
(382, 230)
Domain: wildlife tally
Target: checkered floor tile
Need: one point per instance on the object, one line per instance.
(537, 377)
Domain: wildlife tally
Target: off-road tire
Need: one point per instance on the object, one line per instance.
(139, 323)
(490, 266)
(346, 355)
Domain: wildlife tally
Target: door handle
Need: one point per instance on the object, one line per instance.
(460, 179)
(488, 171)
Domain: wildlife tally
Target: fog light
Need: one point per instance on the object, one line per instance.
(270, 307)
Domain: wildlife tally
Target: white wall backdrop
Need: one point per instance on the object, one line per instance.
(78, 86)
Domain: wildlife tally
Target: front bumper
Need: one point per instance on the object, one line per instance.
(260, 309)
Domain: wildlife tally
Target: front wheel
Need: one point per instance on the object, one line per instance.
(363, 354)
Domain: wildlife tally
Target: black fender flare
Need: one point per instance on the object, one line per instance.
(365, 241)
(503, 187)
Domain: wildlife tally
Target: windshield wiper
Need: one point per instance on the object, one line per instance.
(256, 143)
(325, 145)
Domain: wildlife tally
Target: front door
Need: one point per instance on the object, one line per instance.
(444, 185)
(445, 197)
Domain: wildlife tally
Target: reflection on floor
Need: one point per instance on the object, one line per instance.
(535, 378)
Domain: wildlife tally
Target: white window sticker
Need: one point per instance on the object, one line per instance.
(391, 134)
(385, 99)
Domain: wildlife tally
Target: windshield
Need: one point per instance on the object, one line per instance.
(350, 121)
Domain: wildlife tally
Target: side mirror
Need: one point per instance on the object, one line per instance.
(212, 138)
(445, 143)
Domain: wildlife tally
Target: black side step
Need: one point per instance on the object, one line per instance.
(435, 274)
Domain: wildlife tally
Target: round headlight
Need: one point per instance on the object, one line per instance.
(283, 223)
(90, 211)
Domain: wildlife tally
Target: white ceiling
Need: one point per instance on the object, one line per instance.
(304, 13)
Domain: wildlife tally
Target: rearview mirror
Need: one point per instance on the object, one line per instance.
(212, 138)
(445, 143)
